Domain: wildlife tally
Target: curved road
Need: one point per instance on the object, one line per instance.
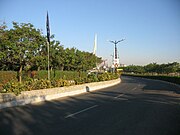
(135, 107)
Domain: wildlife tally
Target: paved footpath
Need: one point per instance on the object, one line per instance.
(134, 107)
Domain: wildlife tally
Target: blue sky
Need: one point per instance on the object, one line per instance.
(151, 27)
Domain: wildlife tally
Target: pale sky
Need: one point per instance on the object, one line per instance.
(151, 27)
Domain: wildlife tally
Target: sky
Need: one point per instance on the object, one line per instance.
(151, 28)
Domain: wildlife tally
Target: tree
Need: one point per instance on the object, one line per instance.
(134, 68)
(151, 68)
(20, 45)
(24, 48)
(171, 67)
(3, 42)
(57, 55)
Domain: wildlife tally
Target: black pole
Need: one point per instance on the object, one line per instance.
(48, 42)
(115, 50)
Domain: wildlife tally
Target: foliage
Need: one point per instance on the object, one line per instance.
(67, 75)
(14, 87)
(107, 76)
(135, 69)
(79, 80)
(154, 68)
(62, 83)
(24, 48)
(19, 45)
(173, 79)
(34, 84)
(6, 76)
(92, 78)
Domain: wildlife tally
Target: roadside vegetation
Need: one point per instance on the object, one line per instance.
(23, 61)
(24, 48)
(9, 84)
(168, 72)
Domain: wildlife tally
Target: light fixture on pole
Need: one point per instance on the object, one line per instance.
(116, 59)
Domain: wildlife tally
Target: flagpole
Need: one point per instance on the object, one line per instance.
(48, 60)
(48, 42)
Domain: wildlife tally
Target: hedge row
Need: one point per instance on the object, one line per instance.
(35, 84)
(6, 76)
(68, 75)
(172, 79)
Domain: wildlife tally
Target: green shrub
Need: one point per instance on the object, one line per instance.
(107, 76)
(6, 76)
(66, 75)
(91, 78)
(14, 87)
(35, 84)
(172, 79)
(57, 83)
(79, 80)
(42, 84)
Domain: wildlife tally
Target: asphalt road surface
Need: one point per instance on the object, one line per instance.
(135, 107)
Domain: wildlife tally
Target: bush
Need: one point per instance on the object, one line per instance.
(172, 79)
(107, 76)
(14, 87)
(41, 84)
(35, 84)
(92, 78)
(79, 80)
(66, 75)
(6, 76)
(61, 83)
(58, 83)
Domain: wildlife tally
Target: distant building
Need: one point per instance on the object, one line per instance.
(123, 65)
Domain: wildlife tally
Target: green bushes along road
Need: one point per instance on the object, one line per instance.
(61, 79)
(172, 79)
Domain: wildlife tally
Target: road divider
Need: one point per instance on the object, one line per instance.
(34, 96)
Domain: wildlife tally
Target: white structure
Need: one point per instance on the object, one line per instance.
(95, 44)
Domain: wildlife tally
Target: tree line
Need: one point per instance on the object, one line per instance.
(24, 47)
(154, 68)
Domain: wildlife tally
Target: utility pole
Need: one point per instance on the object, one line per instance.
(116, 60)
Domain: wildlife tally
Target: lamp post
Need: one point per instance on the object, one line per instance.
(116, 61)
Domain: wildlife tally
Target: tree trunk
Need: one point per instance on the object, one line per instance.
(62, 68)
(20, 74)
(54, 73)
(39, 68)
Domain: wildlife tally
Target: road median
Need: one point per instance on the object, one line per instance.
(34, 96)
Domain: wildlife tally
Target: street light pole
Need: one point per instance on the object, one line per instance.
(115, 51)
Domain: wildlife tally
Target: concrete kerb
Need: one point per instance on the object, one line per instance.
(34, 96)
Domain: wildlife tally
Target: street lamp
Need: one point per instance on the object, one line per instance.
(116, 62)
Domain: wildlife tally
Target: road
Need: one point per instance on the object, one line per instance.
(135, 107)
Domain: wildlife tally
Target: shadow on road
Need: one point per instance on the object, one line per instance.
(139, 113)
(152, 85)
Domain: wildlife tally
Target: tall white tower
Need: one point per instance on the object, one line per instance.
(95, 44)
